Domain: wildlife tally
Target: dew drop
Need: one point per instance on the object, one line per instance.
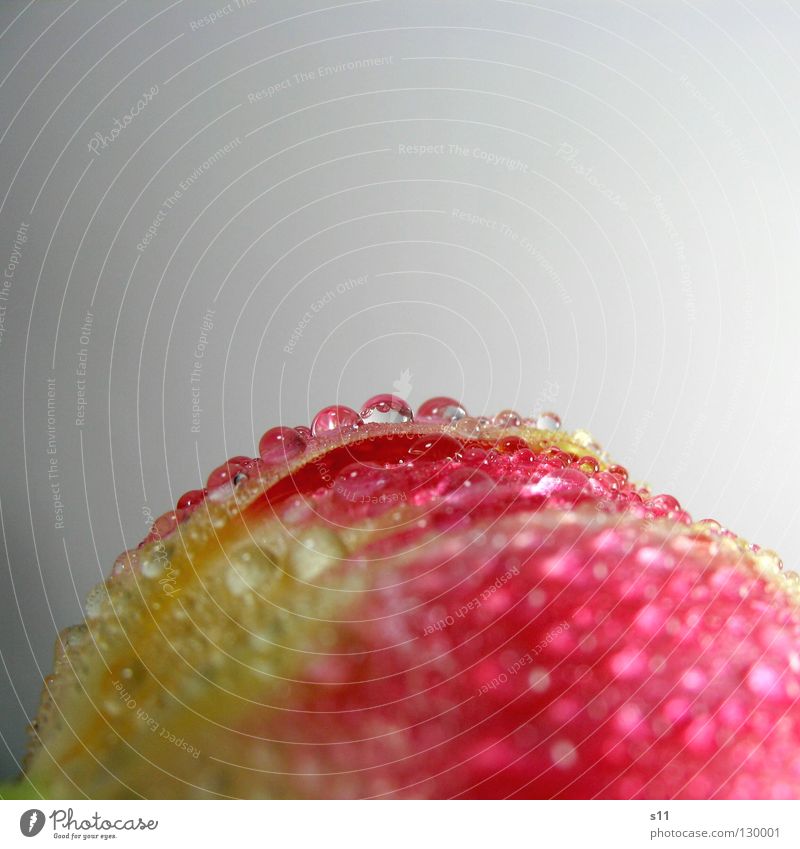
(699, 734)
(94, 601)
(767, 562)
(620, 472)
(608, 481)
(584, 439)
(386, 409)
(151, 568)
(164, 525)
(627, 718)
(112, 707)
(335, 418)
(252, 470)
(548, 421)
(435, 447)
(507, 418)
(762, 679)
(227, 471)
(563, 754)
(128, 561)
(676, 709)
(467, 485)
(539, 679)
(360, 481)
(537, 597)
(191, 499)
(561, 483)
(628, 663)
(693, 679)
(663, 504)
(440, 409)
(525, 459)
(473, 455)
(511, 444)
(280, 445)
(468, 427)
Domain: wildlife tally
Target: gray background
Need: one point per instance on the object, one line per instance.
(628, 174)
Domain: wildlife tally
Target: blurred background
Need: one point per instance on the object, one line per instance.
(215, 218)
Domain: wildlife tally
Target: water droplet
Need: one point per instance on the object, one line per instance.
(628, 663)
(467, 485)
(762, 679)
(360, 481)
(151, 567)
(663, 504)
(620, 472)
(608, 481)
(164, 525)
(537, 597)
(440, 410)
(226, 472)
(554, 459)
(507, 418)
(280, 445)
(94, 601)
(468, 427)
(699, 734)
(548, 421)
(305, 432)
(563, 754)
(539, 679)
(112, 707)
(334, 418)
(435, 447)
(525, 459)
(386, 409)
(256, 468)
(128, 561)
(191, 499)
(693, 679)
(473, 455)
(584, 439)
(588, 464)
(511, 444)
(561, 483)
(767, 562)
(650, 618)
(627, 718)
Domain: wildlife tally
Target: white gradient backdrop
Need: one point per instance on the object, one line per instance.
(596, 196)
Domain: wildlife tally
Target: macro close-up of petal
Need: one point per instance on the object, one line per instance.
(439, 606)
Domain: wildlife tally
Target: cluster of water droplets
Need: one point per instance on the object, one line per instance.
(468, 460)
(281, 446)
